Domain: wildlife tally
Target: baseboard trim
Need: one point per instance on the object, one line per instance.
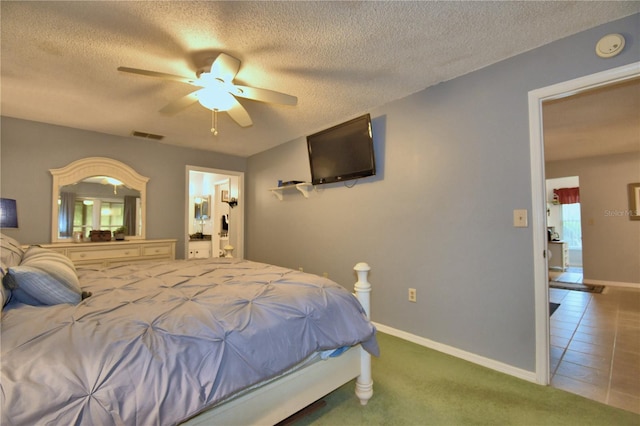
(529, 376)
(611, 283)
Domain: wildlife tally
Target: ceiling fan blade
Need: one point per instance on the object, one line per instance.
(157, 75)
(240, 115)
(225, 67)
(265, 95)
(180, 104)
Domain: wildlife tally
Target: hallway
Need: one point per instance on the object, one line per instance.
(595, 345)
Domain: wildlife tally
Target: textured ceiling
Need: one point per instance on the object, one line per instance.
(596, 122)
(341, 59)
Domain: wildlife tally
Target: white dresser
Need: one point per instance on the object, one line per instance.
(101, 254)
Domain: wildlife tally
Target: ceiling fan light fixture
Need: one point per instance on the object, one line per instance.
(112, 181)
(215, 98)
(218, 91)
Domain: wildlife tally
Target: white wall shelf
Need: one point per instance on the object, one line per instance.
(305, 188)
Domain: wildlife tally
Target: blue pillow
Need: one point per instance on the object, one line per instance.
(44, 277)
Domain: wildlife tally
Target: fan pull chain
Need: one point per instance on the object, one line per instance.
(214, 122)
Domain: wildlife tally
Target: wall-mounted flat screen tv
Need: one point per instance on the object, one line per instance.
(342, 152)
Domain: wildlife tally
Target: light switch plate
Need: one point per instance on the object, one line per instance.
(520, 218)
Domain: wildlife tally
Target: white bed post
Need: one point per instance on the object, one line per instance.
(364, 383)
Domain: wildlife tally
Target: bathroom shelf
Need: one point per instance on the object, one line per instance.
(304, 188)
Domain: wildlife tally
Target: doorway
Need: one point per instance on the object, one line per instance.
(214, 213)
(539, 222)
(564, 230)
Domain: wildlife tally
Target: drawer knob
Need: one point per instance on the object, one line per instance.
(82, 255)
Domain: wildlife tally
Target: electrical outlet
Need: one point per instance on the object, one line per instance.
(413, 297)
(301, 269)
(325, 274)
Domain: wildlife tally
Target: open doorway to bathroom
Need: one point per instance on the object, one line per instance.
(564, 231)
(214, 213)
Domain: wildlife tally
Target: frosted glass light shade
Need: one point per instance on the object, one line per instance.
(112, 181)
(214, 98)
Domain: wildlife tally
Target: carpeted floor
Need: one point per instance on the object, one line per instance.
(415, 386)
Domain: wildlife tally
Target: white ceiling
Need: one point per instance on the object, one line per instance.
(341, 59)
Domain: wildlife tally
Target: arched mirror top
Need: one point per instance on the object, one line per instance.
(81, 215)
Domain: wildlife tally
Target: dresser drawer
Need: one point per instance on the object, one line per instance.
(59, 250)
(157, 250)
(98, 263)
(103, 253)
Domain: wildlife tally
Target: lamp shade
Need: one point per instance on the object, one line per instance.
(215, 98)
(8, 213)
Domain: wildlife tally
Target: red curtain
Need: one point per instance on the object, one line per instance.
(567, 195)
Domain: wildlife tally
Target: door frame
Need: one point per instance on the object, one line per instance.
(538, 214)
(238, 193)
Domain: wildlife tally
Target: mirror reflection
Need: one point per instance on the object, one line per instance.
(201, 207)
(200, 229)
(97, 195)
(98, 203)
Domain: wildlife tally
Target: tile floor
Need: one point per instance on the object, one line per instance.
(595, 345)
(570, 275)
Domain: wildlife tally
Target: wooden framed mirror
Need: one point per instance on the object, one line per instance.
(97, 193)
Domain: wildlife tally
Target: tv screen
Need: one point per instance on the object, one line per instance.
(342, 152)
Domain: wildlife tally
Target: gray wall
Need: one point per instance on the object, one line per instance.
(29, 149)
(454, 163)
(610, 240)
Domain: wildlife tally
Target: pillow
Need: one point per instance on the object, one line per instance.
(44, 277)
(5, 293)
(10, 251)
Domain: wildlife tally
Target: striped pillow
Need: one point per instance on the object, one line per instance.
(44, 278)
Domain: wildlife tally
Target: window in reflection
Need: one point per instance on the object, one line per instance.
(111, 216)
(83, 216)
(98, 204)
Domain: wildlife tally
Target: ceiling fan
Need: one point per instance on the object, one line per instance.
(217, 92)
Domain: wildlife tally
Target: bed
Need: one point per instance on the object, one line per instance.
(216, 341)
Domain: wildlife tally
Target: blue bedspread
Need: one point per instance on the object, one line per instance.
(158, 343)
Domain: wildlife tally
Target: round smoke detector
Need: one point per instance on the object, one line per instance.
(610, 45)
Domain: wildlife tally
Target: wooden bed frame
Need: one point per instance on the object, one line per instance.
(279, 399)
